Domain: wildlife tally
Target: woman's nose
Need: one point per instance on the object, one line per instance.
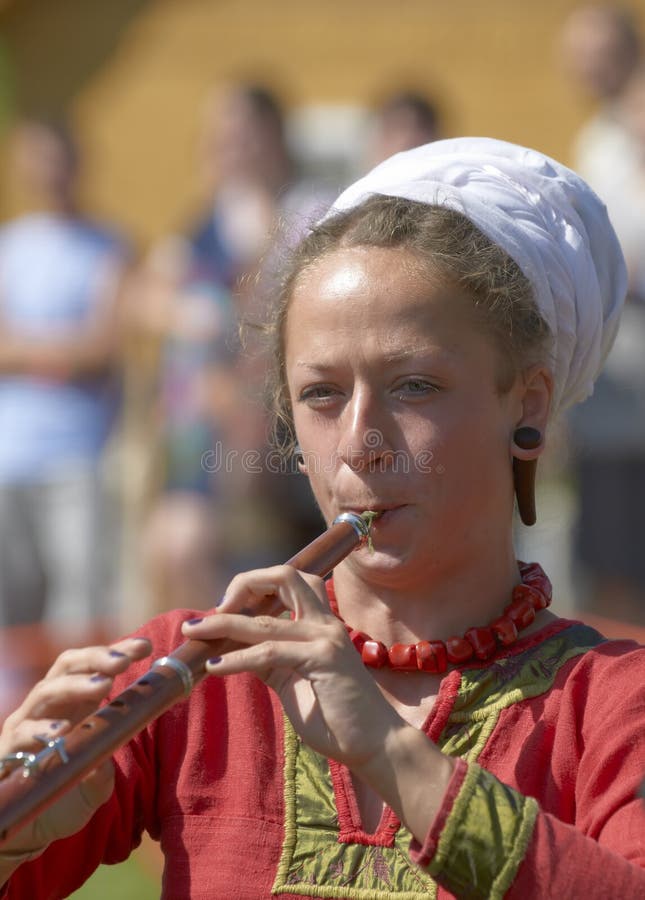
(363, 442)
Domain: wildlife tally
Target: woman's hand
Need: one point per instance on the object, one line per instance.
(72, 689)
(308, 660)
(331, 700)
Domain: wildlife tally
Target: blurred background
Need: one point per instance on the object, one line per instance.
(158, 159)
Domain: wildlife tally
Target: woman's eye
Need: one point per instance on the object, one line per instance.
(318, 394)
(415, 387)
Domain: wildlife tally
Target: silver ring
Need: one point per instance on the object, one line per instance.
(180, 668)
(13, 761)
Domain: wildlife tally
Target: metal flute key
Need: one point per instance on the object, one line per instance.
(31, 782)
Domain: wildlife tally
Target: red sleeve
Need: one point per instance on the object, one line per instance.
(604, 854)
(489, 840)
(563, 862)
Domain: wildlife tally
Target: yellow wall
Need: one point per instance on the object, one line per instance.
(132, 73)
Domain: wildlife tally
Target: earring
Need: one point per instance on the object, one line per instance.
(526, 438)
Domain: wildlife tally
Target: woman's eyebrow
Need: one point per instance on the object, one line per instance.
(426, 350)
(434, 351)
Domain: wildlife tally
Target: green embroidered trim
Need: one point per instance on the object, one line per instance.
(290, 834)
(457, 812)
(314, 863)
(524, 834)
(484, 693)
(514, 678)
(485, 838)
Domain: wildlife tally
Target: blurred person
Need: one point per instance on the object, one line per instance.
(608, 431)
(210, 388)
(251, 181)
(602, 50)
(600, 47)
(404, 120)
(195, 388)
(624, 194)
(60, 278)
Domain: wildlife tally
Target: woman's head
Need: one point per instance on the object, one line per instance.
(403, 402)
(530, 229)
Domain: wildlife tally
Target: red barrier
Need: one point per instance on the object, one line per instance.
(27, 651)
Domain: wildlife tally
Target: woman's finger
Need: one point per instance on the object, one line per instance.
(256, 629)
(65, 696)
(304, 595)
(31, 735)
(266, 657)
(317, 585)
(110, 660)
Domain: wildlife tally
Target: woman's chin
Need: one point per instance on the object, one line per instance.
(382, 558)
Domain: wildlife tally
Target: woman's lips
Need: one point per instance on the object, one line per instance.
(384, 512)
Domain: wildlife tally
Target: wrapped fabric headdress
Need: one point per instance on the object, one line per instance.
(545, 217)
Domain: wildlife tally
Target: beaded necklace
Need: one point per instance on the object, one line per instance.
(479, 642)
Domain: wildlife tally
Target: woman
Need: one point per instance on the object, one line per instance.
(457, 296)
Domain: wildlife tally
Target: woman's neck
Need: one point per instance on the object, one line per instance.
(435, 606)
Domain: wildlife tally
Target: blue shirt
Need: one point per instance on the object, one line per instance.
(52, 274)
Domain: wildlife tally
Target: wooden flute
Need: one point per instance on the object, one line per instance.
(31, 782)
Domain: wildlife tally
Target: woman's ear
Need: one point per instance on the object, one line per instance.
(535, 404)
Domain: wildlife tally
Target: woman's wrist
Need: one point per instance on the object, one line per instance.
(410, 774)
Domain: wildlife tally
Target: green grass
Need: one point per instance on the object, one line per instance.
(127, 881)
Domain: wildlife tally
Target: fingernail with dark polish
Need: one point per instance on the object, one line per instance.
(214, 660)
(99, 677)
(54, 725)
(195, 621)
(116, 653)
(220, 601)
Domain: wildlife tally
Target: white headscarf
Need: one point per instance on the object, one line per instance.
(545, 217)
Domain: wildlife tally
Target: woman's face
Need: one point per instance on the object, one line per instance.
(397, 408)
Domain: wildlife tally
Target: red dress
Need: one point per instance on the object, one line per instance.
(551, 742)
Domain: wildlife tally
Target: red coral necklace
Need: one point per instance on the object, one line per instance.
(479, 642)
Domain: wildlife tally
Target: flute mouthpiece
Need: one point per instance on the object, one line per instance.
(368, 516)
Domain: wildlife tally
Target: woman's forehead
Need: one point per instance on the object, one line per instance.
(365, 286)
(379, 305)
(357, 264)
